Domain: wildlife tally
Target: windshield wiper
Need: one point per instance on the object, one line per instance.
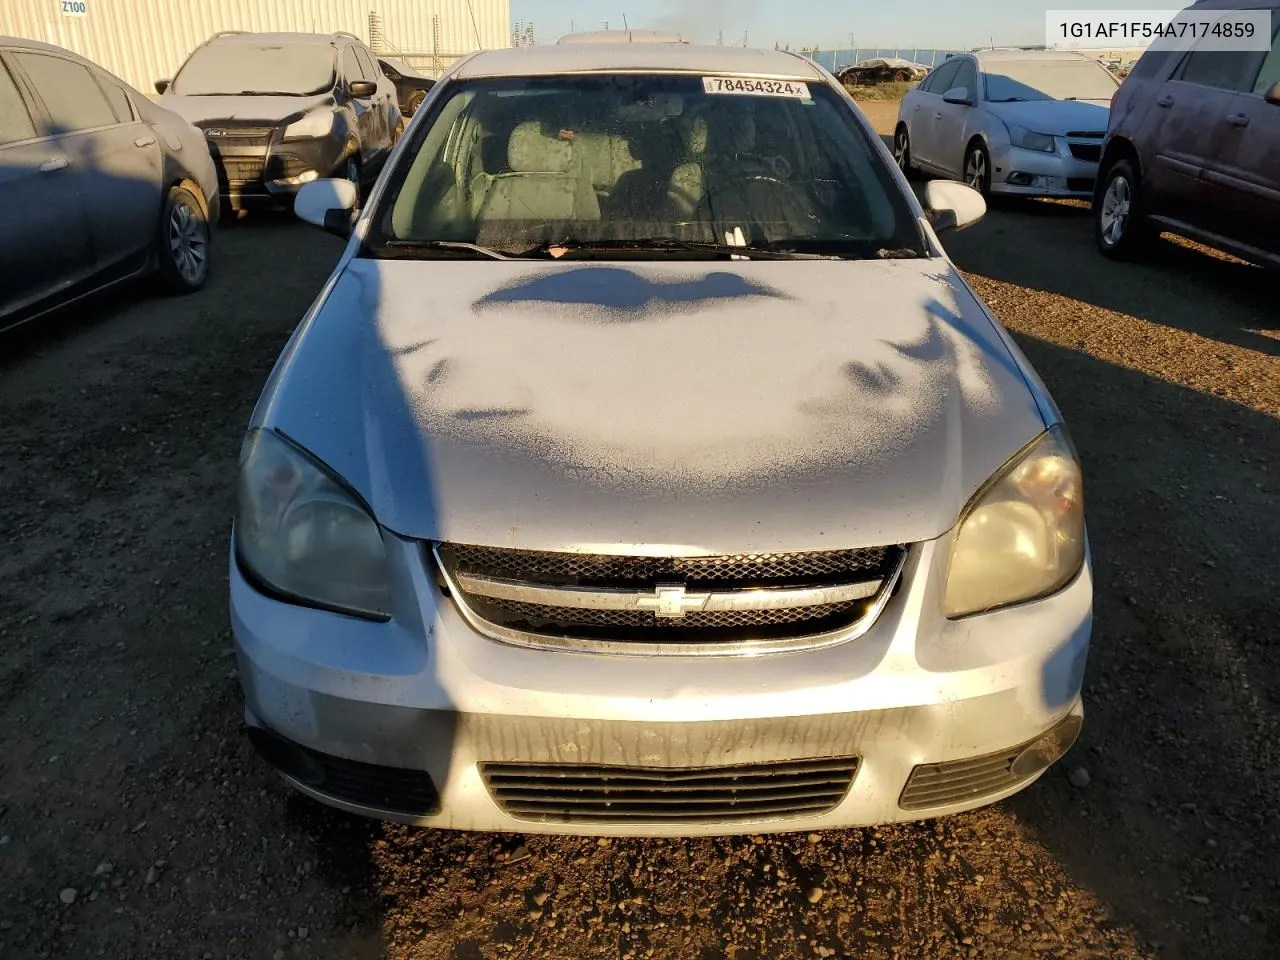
(408, 248)
(567, 248)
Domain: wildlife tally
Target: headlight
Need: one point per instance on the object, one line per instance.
(303, 535)
(1022, 137)
(313, 126)
(1022, 536)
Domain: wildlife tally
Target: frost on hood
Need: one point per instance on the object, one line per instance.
(688, 377)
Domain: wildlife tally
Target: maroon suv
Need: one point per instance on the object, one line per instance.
(1193, 148)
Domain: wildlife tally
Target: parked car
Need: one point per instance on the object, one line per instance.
(283, 109)
(645, 467)
(1009, 122)
(411, 87)
(97, 184)
(1194, 148)
(882, 70)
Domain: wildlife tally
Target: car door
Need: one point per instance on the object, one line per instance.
(1243, 181)
(384, 101)
(114, 157)
(925, 113)
(1187, 122)
(951, 120)
(363, 107)
(44, 246)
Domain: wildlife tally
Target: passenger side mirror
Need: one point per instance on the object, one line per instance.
(953, 206)
(162, 86)
(362, 88)
(328, 204)
(958, 95)
(1273, 95)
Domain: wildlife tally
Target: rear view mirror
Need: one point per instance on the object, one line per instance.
(362, 88)
(958, 95)
(162, 86)
(953, 206)
(328, 204)
(1273, 95)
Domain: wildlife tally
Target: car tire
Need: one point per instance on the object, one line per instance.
(1118, 226)
(183, 241)
(977, 169)
(414, 102)
(902, 151)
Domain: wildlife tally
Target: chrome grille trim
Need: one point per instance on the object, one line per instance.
(679, 602)
(874, 595)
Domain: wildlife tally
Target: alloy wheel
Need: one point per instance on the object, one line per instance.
(188, 242)
(1116, 206)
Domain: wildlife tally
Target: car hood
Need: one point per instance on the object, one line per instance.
(1056, 117)
(683, 407)
(200, 110)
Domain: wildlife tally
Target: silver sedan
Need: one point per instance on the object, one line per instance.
(1009, 122)
(98, 184)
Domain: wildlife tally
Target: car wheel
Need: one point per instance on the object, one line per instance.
(902, 151)
(1118, 226)
(977, 169)
(183, 242)
(414, 102)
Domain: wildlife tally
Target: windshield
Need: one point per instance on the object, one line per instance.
(240, 68)
(657, 165)
(1014, 80)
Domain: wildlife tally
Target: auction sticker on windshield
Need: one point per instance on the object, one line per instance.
(751, 87)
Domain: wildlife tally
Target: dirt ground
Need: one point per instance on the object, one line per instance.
(136, 823)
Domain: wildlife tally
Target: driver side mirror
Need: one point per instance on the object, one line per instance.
(953, 206)
(362, 88)
(958, 95)
(329, 205)
(1273, 95)
(162, 86)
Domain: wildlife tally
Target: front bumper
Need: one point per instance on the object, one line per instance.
(424, 694)
(268, 175)
(1032, 173)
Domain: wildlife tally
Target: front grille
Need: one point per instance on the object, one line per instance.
(241, 136)
(1089, 152)
(741, 571)
(240, 170)
(602, 794)
(394, 790)
(1088, 134)
(1080, 184)
(941, 784)
(581, 600)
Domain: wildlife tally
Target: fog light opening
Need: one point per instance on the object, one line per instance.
(1020, 179)
(305, 177)
(1049, 749)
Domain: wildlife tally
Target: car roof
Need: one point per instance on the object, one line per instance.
(21, 43)
(300, 39)
(637, 57)
(1004, 56)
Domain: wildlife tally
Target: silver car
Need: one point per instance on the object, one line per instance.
(646, 468)
(1009, 122)
(97, 184)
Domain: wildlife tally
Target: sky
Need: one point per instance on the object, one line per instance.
(945, 24)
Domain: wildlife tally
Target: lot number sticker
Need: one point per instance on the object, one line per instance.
(74, 8)
(746, 86)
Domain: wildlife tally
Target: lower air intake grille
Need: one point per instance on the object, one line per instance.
(959, 781)
(1090, 152)
(554, 793)
(391, 789)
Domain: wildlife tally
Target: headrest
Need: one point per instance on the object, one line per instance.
(695, 138)
(531, 151)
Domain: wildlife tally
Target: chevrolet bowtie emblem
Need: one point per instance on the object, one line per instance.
(672, 602)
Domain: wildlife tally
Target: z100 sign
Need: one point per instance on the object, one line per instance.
(74, 8)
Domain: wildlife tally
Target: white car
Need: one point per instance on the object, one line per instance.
(645, 467)
(1009, 122)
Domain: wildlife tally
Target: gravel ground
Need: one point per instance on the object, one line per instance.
(135, 822)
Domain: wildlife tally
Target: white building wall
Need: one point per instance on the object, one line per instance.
(144, 40)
